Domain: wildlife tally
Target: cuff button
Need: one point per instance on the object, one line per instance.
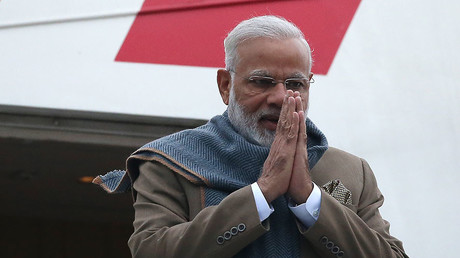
(234, 231)
(220, 240)
(335, 250)
(241, 227)
(316, 213)
(324, 240)
(227, 235)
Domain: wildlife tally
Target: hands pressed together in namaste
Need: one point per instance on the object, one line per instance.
(286, 168)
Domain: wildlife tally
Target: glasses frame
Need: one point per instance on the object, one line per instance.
(253, 78)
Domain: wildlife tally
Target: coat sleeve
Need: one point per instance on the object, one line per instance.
(164, 224)
(353, 231)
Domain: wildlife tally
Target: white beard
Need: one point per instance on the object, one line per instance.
(247, 123)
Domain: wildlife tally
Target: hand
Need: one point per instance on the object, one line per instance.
(300, 185)
(277, 169)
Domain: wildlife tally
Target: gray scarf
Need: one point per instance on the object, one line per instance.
(216, 156)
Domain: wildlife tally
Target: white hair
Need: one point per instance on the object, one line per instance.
(269, 26)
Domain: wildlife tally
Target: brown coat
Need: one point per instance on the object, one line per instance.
(171, 220)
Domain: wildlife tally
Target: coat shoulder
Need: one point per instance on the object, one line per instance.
(335, 158)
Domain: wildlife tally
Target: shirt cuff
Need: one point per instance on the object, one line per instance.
(263, 208)
(308, 212)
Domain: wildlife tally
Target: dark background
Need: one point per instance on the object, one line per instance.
(46, 211)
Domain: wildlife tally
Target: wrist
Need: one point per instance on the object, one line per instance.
(302, 195)
(264, 188)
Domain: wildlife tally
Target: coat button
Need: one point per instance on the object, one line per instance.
(335, 250)
(241, 227)
(220, 240)
(324, 240)
(227, 235)
(234, 231)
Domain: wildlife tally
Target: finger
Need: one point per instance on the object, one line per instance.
(296, 94)
(291, 110)
(287, 122)
(302, 140)
(298, 103)
(294, 130)
(283, 113)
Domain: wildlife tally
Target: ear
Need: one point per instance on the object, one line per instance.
(224, 83)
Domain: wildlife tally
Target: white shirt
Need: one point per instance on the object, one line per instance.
(307, 212)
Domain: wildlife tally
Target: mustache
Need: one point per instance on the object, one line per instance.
(268, 112)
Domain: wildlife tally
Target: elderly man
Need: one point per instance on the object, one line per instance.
(259, 180)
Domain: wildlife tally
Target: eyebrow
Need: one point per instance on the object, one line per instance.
(260, 72)
(298, 75)
(265, 73)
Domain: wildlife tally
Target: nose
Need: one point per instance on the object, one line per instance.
(276, 95)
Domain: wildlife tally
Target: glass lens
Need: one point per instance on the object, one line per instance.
(295, 84)
(260, 83)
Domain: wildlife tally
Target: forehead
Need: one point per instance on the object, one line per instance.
(273, 57)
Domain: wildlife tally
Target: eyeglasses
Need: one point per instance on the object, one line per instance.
(262, 83)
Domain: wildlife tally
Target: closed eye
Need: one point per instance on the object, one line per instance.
(261, 81)
(294, 84)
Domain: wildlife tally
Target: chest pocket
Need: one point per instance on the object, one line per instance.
(337, 190)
